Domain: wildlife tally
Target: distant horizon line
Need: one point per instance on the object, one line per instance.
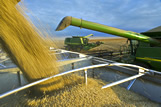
(95, 37)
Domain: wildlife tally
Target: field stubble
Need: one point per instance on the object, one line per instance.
(110, 44)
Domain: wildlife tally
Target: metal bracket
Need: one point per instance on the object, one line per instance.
(131, 84)
(141, 73)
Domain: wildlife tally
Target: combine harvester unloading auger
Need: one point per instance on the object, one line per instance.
(147, 52)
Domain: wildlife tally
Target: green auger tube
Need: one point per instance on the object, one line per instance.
(67, 21)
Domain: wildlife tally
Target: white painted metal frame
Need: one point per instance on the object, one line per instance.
(142, 71)
(45, 79)
(85, 76)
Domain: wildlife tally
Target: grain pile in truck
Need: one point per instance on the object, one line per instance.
(78, 94)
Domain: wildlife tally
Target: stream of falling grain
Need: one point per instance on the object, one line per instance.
(22, 41)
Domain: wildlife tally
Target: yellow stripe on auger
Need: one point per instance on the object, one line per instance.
(149, 59)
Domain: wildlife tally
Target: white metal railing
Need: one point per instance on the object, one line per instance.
(60, 51)
(142, 71)
(123, 80)
(45, 79)
(3, 61)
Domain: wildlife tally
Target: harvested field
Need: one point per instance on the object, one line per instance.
(110, 44)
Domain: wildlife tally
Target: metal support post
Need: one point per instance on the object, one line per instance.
(19, 78)
(85, 76)
(72, 65)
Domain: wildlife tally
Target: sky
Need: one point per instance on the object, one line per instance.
(134, 15)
